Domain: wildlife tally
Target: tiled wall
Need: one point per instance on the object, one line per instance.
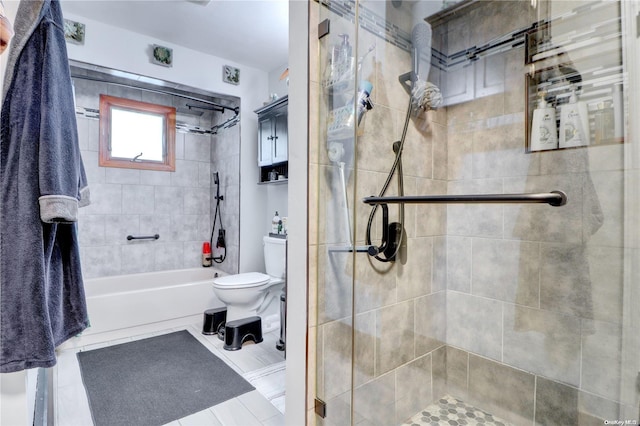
(532, 289)
(516, 309)
(176, 205)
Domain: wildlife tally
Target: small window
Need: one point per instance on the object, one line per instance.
(137, 135)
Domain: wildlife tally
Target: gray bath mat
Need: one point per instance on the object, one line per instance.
(156, 380)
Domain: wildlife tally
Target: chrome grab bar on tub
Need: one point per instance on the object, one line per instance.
(145, 237)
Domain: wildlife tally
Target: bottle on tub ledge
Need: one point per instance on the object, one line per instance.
(544, 133)
(206, 254)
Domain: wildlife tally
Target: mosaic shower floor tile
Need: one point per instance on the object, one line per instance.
(452, 412)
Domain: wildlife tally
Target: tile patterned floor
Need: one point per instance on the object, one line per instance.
(453, 412)
(260, 364)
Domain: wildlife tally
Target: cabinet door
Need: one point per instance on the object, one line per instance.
(265, 143)
(281, 139)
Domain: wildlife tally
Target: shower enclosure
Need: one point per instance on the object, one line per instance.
(479, 303)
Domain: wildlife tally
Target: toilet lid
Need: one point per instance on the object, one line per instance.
(246, 280)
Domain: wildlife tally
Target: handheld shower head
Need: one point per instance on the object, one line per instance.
(421, 42)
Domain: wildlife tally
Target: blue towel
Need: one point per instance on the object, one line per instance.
(42, 184)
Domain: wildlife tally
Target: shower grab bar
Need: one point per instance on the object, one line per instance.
(553, 198)
(144, 237)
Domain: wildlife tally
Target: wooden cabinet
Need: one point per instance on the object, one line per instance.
(273, 140)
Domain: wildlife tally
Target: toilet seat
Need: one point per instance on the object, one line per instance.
(246, 280)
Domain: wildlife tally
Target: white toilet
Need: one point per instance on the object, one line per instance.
(254, 293)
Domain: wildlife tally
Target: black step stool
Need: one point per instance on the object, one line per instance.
(239, 331)
(214, 320)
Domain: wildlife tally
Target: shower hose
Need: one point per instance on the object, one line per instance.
(220, 243)
(398, 146)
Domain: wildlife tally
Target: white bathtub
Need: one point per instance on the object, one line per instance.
(125, 301)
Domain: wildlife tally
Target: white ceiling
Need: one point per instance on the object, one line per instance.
(250, 32)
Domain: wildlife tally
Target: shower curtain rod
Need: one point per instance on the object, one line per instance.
(553, 198)
(218, 107)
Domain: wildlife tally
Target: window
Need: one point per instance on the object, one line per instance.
(137, 135)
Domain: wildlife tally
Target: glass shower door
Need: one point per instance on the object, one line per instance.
(515, 313)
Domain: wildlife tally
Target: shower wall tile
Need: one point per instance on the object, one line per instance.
(124, 176)
(336, 357)
(374, 288)
(137, 256)
(93, 142)
(431, 219)
(334, 285)
(474, 324)
(364, 347)
(418, 147)
(430, 322)
(414, 277)
(556, 403)
(506, 270)
(457, 372)
(543, 222)
(105, 199)
(340, 412)
(186, 173)
(607, 199)
(498, 152)
(459, 154)
(440, 154)
(91, 230)
(459, 261)
(439, 372)
(137, 199)
(197, 147)
(83, 132)
(565, 281)
(168, 256)
(390, 62)
(593, 410)
(180, 145)
(475, 220)
(192, 254)
(542, 342)
(157, 224)
(204, 175)
(155, 178)
(100, 261)
(394, 336)
(601, 358)
(169, 200)
(197, 200)
(606, 266)
(501, 390)
(606, 157)
(514, 83)
(374, 150)
(439, 281)
(413, 388)
(95, 174)
(117, 227)
(374, 402)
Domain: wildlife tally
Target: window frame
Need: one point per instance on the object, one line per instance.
(169, 143)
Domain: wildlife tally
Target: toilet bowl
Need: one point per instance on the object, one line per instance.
(254, 293)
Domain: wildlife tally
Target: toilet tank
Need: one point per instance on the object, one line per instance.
(275, 256)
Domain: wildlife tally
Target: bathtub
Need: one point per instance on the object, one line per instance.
(126, 301)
